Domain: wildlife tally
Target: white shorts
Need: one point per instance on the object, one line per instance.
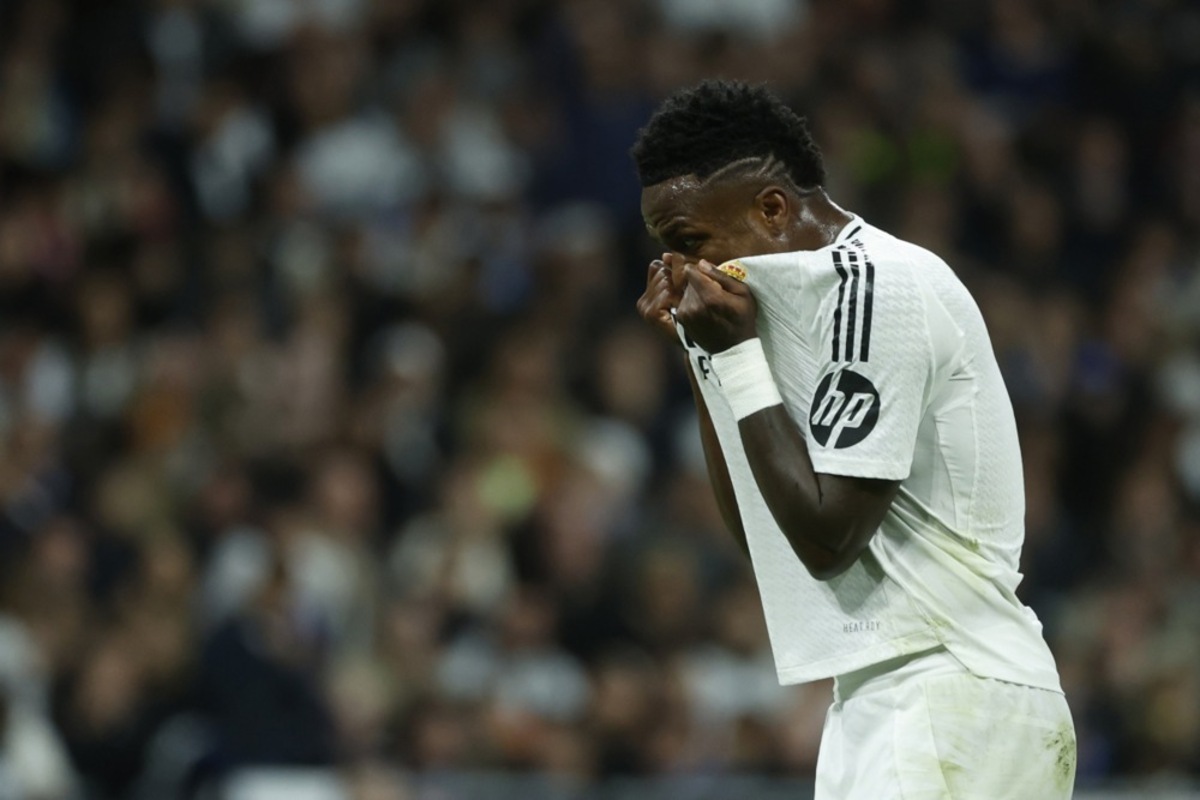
(924, 728)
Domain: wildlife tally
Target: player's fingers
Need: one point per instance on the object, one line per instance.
(675, 265)
(658, 291)
(663, 279)
(688, 305)
(704, 286)
(661, 300)
(655, 287)
(650, 297)
(658, 297)
(669, 260)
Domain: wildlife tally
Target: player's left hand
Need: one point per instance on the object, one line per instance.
(717, 311)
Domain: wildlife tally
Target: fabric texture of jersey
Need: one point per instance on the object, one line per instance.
(882, 358)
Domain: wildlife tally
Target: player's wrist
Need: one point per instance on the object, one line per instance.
(745, 378)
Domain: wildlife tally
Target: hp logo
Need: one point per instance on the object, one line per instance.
(844, 410)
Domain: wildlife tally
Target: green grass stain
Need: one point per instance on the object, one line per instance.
(1062, 744)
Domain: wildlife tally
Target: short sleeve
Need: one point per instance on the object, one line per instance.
(875, 365)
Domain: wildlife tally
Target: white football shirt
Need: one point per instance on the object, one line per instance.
(882, 358)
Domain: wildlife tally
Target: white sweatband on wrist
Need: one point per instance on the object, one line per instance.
(745, 378)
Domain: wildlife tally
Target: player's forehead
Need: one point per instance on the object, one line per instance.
(686, 199)
(671, 197)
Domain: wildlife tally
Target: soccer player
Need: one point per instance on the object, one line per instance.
(863, 450)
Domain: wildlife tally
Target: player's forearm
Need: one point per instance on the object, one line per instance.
(718, 470)
(828, 519)
(821, 534)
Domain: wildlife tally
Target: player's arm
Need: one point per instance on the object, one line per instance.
(828, 519)
(655, 306)
(718, 470)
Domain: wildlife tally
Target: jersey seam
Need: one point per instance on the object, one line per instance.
(978, 465)
(918, 638)
(932, 356)
(890, 470)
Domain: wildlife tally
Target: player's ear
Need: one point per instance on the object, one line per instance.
(773, 206)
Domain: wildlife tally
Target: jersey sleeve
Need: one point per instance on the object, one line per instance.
(875, 364)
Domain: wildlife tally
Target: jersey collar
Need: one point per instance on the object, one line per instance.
(849, 230)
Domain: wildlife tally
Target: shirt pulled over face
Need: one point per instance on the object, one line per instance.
(883, 361)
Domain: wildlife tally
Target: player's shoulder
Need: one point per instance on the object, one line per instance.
(861, 257)
(798, 274)
(896, 269)
(857, 243)
(902, 258)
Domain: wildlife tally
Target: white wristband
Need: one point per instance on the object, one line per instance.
(745, 378)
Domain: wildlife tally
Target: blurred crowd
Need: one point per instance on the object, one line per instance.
(329, 436)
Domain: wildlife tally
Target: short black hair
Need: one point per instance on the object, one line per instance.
(699, 130)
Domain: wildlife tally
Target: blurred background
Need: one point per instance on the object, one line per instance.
(335, 463)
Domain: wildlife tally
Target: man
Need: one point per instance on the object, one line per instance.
(862, 448)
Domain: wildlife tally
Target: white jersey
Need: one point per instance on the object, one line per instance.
(882, 358)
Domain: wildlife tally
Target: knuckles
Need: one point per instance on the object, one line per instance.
(716, 313)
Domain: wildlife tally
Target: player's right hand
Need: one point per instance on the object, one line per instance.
(660, 297)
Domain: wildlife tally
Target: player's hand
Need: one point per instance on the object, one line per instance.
(717, 311)
(660, 297)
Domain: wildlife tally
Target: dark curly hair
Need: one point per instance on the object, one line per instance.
(701, 130)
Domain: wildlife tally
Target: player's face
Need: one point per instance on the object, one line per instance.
(717, 222)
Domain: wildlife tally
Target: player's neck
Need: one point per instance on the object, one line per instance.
(817, 223)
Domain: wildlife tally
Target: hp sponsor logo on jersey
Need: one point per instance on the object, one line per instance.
(845, 409)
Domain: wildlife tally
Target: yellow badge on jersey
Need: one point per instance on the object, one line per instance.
(734, 269)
